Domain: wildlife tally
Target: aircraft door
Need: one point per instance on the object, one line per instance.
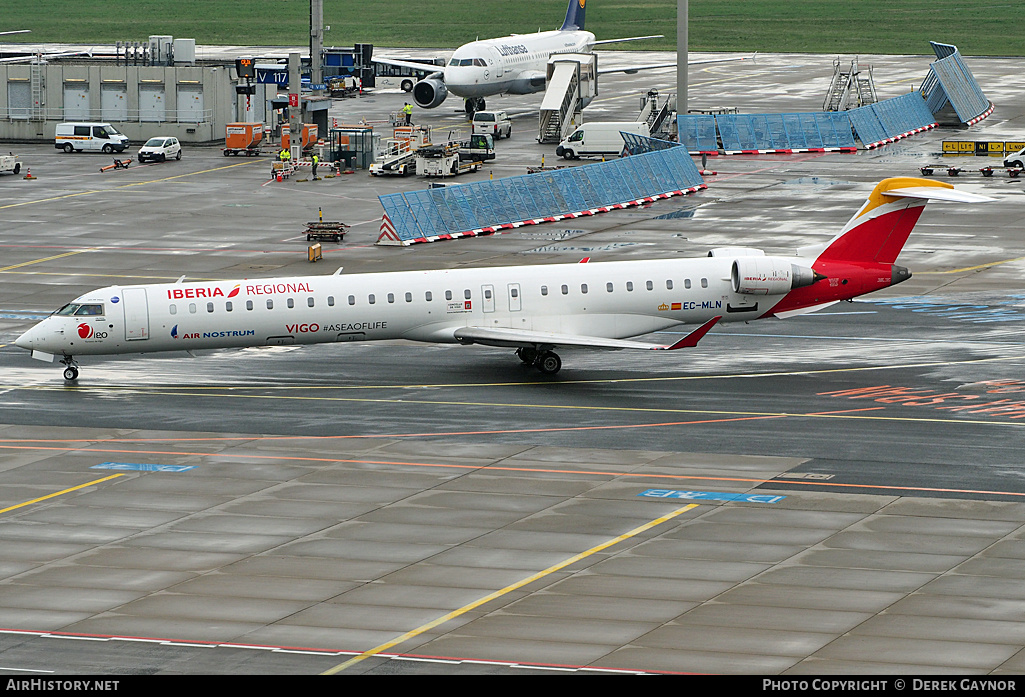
(488, 294)
(136, 313)
(514, 297)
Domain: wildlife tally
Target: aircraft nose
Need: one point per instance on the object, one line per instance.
(26, 340)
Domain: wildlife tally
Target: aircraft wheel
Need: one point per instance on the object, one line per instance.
(71, 373)
(549, 363)
(527, 355)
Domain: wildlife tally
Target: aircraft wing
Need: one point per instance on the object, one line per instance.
(628, 38)
(515, 338)
(45, 56)
(654, 66)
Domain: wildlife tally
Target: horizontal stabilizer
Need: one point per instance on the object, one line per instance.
(937, 194)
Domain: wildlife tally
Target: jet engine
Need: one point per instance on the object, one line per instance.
(770, 276)
(429, 92)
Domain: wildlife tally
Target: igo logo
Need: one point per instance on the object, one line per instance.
(86, 332)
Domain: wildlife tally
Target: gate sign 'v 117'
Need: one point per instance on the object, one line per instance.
(533, 309)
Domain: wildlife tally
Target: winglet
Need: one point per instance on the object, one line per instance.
(692, 339)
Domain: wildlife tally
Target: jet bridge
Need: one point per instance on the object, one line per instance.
(572, 83)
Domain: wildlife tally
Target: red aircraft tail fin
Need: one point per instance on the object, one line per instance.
(878, 231)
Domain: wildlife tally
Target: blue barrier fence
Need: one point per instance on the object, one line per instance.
(469, 208)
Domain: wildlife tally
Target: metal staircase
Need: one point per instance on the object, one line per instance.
(849, 89)
(37, 111)
(571, 85)
(659, 119)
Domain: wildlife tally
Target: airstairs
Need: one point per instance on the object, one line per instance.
(661, 123)
(572, 83)
(850, 89)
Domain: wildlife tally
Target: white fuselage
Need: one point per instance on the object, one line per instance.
(515, 64)
(612, 300)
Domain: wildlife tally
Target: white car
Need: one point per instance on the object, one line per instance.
(160, 148)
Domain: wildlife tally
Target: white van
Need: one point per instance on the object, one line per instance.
(89, 136)
(598, 138)
(1015, 159)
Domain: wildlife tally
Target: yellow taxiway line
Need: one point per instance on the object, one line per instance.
(499, 593)
(60, 493)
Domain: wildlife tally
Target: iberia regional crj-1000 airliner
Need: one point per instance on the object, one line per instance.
(533, 309)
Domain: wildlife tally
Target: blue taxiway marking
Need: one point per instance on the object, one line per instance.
(137, 467)
(709, 496)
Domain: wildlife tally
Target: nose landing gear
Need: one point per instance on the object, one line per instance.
(71, 368)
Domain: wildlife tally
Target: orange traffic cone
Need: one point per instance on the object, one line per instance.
(28, 173)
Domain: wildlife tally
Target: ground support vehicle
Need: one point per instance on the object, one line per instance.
(89, 135)
(599, 138)
(443, 161)
(495, 123)
(398, 154)
(243, 138)
(9, 163)
(321, 230)
(479, 147)
(160, 148)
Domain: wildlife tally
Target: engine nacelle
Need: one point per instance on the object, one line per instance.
(769, 276)
(429, 92)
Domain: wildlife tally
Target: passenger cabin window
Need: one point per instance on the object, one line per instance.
(270, 304)
(228, 306)
(565, 290)
(249, 304)
(704, 283)
(192, 308)
(309, 301)
(371, 299)
(330, 301)
(391, 297)
(173, 309)
(409, 297)
(352, 299)
(583, 288)
(544, 290)
(448, 295)
(428, 296)
(630, 286)
(466, 293)
(209, 307)
(686, 283)
(290, 303)
(669, 284)
(608, 287)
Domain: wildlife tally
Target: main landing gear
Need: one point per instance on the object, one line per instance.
(548, 362)
(472, 105)
(70, 369)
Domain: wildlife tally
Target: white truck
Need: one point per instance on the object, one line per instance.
(9, 163)
(599, 138)
(443, 160)
(1016, 160)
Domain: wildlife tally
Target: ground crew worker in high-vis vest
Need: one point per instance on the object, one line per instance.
(315, 161)
(408, 111)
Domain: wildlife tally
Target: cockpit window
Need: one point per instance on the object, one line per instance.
(68, 309)
(454, 61)
(89, 310)
(479, 62)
